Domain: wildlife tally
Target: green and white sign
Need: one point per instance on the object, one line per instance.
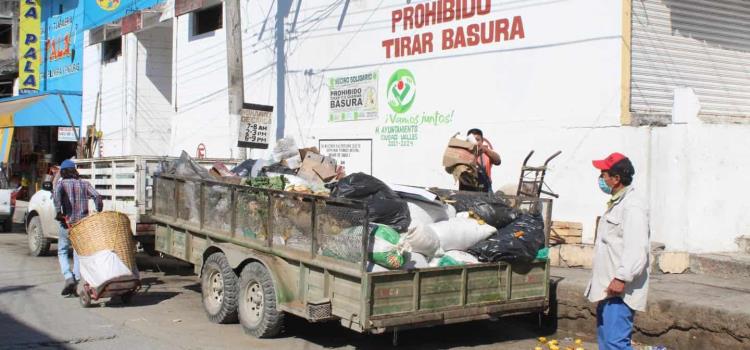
(353, 97)
(402, 90)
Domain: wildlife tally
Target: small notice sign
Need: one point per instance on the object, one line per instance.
(255, 126)
(66, 134)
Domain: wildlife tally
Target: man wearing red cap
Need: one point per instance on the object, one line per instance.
(619, 281)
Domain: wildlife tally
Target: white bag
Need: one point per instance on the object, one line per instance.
(450, 211)
(420, 240)
(415, 261)
(463, 257)
(101, 267)
(424, 213)
(373, 267)
(460, 233)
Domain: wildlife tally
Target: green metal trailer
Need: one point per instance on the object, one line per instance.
(263, 253)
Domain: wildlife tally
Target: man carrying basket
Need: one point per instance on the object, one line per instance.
(71, 196)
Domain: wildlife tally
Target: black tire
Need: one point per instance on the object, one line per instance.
(8, 225)
(258, 314)
(219, 289)
(38, 244)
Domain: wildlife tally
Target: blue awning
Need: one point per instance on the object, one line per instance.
(42, 109)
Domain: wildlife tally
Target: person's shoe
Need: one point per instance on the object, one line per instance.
(70, 286)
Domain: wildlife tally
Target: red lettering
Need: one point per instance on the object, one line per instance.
(517, 30)
(460, 38)
(458, 8)
(468, 9)
(396, 16)
(429, 13)
(483, 11)
(408, 18)
(488, 33)
(472, 31)
(447, 39)
(419, 19)
(426, 42)
(405, 46)
(449, 7)
(501, 27)
(388, 44)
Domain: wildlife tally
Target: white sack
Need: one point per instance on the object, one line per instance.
(420, 240)
(424, 213)
(415, 261)
(463, 257)
(101, 267)
(450, 211)
(373, 267)
(460, 233)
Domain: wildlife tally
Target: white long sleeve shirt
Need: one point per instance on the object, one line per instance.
(621, 250)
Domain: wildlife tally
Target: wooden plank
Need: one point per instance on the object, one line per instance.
(567, 232)
(392, 293)
(440, 289)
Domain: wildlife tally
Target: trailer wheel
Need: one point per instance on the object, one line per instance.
(8, 225)
(258, 314)
(38, 244)
(219, 289)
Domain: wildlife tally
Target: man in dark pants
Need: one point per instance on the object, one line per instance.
(71, 196)
(486, 157)
(619, 281)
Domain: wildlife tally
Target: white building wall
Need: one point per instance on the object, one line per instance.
(201, 99)
(154, 111)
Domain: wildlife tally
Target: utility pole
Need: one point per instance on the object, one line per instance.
(282, 10)
(235, 77)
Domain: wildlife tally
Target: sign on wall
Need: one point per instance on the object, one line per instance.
(355, 155)
(99, 12)
(255, 124)
(353, 97)
(29, 46)
(66, 134)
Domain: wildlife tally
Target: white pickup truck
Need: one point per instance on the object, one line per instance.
(125, 185)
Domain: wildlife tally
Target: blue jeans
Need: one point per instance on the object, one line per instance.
(63, 248)
(614, 324)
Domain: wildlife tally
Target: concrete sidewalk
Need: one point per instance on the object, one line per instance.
(685, 311)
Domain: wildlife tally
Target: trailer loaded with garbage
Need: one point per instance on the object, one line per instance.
(326, 246)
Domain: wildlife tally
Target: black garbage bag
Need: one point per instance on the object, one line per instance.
(276, 168)
(495, 211)
(243, 169)
(517, 242)
(386, 207)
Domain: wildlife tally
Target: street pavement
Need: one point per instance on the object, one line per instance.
(167, 314)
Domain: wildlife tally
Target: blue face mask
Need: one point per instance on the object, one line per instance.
(604, 187)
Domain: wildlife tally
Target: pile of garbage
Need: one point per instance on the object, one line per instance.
(409, 227)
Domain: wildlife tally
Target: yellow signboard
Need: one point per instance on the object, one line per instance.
(29, 46)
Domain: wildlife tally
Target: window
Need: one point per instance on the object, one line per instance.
(6, 34)
(207, 20)
(111, 49)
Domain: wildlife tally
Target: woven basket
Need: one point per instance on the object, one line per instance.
(109, 230)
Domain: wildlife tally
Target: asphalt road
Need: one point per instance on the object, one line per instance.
(167, 314)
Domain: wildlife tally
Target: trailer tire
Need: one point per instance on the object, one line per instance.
(8, 225)
(259, 316)
(38, 244)
(219, 289)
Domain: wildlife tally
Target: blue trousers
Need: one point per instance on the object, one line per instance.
(63, 251)
(614, 324)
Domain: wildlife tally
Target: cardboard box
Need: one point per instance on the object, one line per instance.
(325, 171)
(463, 144)
(567, 232)
(219, 169)
(454, 156)
(303, 151)
(317, 168)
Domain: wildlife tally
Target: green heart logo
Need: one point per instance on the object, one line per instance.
(401, 90)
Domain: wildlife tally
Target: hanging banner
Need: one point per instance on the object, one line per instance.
(255, 124)
(353, 97)
(100, 12)
(29, 46)
(355, 155)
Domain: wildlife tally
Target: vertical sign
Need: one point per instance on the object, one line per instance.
(355, 155)
(255, 124)
(29, 41)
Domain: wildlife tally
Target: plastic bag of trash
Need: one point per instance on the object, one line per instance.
(462, 257)
(285, 148)
(518, 242)
(245, 168)
(185, 166)
(460, 233)
(384, 247)
(385, 206)
(419, 240)
(276, 168)
(493, 210)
